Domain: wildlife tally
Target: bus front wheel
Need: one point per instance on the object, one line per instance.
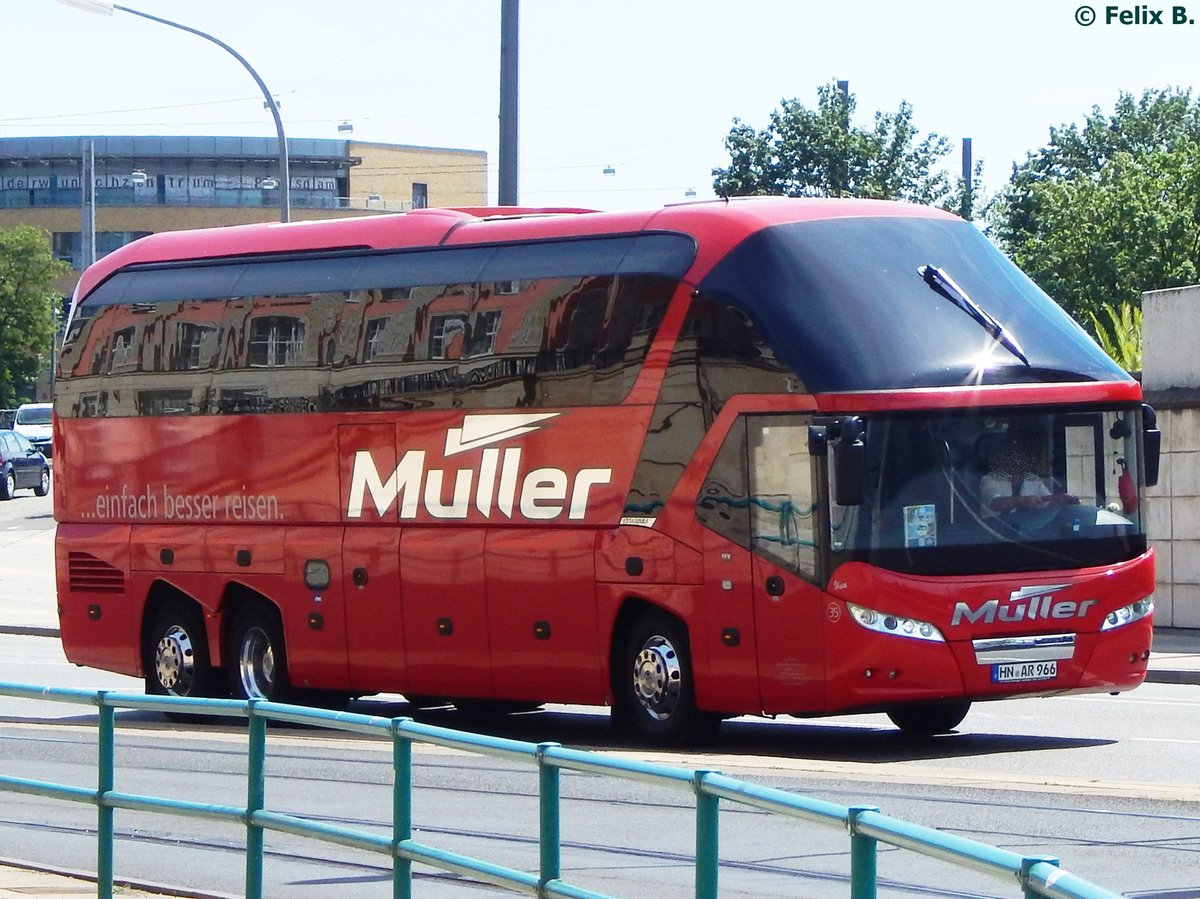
(928, 720)
(655, 692)
(256, 657)
(177, 661)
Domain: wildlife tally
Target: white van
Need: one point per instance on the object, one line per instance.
(33, 420)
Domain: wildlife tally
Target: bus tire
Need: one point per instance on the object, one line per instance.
(655, 692)
(929, 720)
(257, 658)
(176, 653)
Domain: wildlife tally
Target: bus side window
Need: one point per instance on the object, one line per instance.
(782, 501)
(724, 503)
(759, 491)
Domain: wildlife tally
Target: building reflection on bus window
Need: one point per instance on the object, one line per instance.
(503, 344)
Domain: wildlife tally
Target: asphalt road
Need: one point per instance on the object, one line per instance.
(1106, 784)
(27, 563)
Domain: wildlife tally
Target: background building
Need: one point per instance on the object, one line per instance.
(1171, 383)
(150, 184)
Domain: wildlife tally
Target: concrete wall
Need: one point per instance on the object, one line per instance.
(1171, 382)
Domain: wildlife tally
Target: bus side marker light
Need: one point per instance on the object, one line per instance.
(731, 637)
(166, 556)
(243, 558)
(316, 621)
(634, 566)
(445, 627)
(541, 630)
(93, 613)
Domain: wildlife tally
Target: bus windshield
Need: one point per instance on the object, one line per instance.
(884, 317)
(992, 492)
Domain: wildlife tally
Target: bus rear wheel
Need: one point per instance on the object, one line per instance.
(929, 720)
(256, 655)
(655, 692)
(177, 660)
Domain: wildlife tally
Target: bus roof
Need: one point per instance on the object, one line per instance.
(716, 225)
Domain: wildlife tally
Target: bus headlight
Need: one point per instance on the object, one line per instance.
(1135, 611)
(895, 625)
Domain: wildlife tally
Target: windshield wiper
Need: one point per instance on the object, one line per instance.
(945, 285)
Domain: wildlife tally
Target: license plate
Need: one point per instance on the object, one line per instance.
(1015, 672)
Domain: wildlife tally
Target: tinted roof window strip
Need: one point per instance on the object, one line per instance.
(645, 254)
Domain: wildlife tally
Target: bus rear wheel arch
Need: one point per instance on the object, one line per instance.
(255, 655)
(176, 660)
(654, 689)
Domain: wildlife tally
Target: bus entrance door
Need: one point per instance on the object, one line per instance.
(759, 506)
(788, 616)
(788, 622)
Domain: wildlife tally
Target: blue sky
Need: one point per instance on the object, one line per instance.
(647, 87)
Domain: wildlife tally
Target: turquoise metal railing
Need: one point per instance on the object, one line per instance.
(867, 827)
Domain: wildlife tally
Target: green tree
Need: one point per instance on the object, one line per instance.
(819, 153)
(1118, 330)
(1111, 208)
(27, 299)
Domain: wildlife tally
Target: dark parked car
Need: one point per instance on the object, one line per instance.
(21, 465)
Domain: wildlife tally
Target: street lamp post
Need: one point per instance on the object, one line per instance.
(105, 7)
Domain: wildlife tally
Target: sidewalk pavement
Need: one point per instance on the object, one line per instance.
(1175, 656)
(20, 881)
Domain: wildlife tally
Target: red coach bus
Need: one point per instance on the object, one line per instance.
(769, 456)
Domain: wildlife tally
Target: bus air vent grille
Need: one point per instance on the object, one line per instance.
(87, 574)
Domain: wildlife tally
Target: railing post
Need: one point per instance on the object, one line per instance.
(708, 855)
(255, 799)
(401, 809)
(1027, 864)
(549, 820)
(106, 751)
(863, 856)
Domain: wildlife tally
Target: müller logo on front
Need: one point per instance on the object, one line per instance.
(496, 483)
(1026, 604)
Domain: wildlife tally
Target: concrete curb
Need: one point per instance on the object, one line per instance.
(20, 630)
(1173, 676)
